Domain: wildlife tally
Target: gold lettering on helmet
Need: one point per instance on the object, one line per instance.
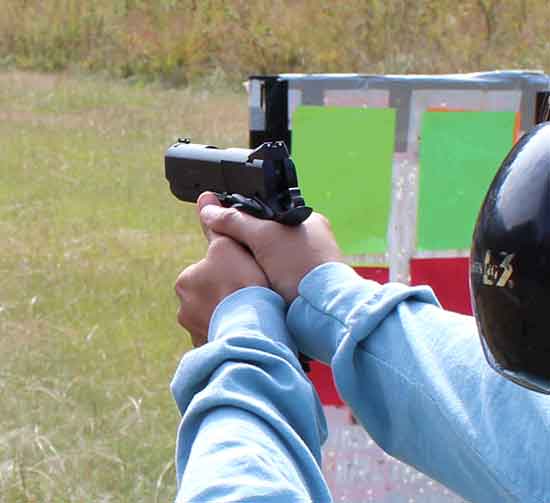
(488, 272)
(506, 265)
(497, 274)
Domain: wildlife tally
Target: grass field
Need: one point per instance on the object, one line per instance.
(92, 241)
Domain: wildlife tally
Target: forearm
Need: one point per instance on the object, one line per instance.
(416, 378)
(251, 424)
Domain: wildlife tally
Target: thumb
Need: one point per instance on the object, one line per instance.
(233, 223)
(204, 200)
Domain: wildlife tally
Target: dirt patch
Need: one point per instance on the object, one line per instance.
(17, 335)
(70, 120)
(32, 80)
(26, 93)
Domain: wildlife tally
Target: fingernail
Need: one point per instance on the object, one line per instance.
(210, 212)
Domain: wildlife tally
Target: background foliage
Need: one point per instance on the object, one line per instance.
(183, 40)
(91, 244)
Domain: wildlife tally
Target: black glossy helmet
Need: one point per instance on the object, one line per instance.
(510, 264)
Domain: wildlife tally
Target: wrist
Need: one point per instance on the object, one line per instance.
(254, 309)
(291, 289)
(318, 317)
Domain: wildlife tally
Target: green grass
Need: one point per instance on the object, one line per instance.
(92, 241)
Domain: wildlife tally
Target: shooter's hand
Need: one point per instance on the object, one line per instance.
(286, 254)
(227, 267)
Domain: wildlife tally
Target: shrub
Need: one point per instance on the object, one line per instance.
(182, 41)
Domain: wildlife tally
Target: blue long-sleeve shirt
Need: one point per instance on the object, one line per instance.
(413, 374)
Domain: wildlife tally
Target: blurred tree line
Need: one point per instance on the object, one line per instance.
(183, 41)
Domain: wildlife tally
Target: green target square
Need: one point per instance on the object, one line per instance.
(460, 153)
(343, 157)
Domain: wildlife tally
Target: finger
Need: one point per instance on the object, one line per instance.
(209, 234)
(189, 314)
(186, 321)
(197, 334)
(205, 199)
(235, 224)
(183, 278)
(198, 339)
(226, 250)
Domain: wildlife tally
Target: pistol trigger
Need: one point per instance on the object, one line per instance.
(249, 205)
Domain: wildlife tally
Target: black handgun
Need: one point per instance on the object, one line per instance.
(261, 182)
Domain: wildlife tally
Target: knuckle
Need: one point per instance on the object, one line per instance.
(189, 280)
(263, 247)
(323, 220)
(185, 278)
(229, 217)
(179, 285)
(219, 244)
(265, 236)
(188, 318)
(183, 319)
(198, 340)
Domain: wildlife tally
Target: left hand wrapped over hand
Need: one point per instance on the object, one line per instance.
(227, 267)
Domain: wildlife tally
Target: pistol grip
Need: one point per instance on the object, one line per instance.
(259, 209)
(294, 216)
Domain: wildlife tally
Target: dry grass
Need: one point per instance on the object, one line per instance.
(92, 241)
(189, 40)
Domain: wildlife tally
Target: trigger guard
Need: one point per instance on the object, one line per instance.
(253, 207)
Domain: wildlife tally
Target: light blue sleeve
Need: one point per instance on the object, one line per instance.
(415, 377)
(252, 424)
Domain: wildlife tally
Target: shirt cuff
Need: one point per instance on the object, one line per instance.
(253, 310)
(328, 296)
